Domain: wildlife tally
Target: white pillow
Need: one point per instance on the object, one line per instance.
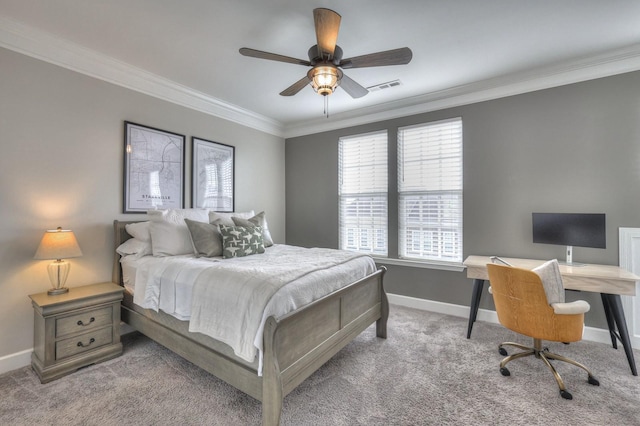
(258, 220)
(169, 233)
(139, 231)
(225, 218)
(134, 247)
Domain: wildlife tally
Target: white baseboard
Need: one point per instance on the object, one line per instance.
(15, 361)
(23, 358)
(591, 334)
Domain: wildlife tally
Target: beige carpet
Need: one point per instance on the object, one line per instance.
(425, 373)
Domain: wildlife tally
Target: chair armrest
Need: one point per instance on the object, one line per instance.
(577, 307)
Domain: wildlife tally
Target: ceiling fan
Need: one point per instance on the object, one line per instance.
(326, 61)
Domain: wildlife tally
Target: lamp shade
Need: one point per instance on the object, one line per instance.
(58, 244)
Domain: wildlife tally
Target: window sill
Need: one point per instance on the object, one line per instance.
(455, 267)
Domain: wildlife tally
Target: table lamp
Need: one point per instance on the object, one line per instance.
(58, 244)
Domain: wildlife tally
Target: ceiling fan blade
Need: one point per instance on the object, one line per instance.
(295, 87)
(350, 86)
(327, 24)
(389, 57)
(245, 51)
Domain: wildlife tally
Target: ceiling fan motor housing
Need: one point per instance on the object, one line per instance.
(315, 57)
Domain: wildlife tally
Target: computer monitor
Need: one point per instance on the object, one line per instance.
(570, 229)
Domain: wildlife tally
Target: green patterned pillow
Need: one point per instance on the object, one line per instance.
(238, 241)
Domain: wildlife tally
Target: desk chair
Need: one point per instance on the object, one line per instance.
(522, 305)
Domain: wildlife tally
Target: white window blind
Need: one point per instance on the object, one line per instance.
(363, 188)
(430, 191)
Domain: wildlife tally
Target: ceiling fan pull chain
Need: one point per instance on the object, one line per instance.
(326, 106)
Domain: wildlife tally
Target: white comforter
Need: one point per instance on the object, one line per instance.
(230, 299)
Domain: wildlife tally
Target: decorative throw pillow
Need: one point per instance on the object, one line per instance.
(258, 220)
(225, 218)
(169, 233)
(206, 238)
(238, 241)
(551, 278)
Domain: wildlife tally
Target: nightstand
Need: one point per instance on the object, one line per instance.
(75, 329)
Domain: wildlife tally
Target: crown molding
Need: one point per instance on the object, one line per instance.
(46, 47)
(614, 62)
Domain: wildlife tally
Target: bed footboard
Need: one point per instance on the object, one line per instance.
(299, 343)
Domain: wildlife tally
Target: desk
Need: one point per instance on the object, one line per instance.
(610, 281)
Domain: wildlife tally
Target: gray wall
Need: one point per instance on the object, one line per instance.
(61, 135)
(574, 148)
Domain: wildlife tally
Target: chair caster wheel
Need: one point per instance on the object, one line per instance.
(503, 351)
(505, 371)
(565, 394)
(593, 381)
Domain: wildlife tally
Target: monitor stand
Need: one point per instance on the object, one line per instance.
(569, 261)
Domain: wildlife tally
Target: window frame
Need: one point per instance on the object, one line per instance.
(392, 256)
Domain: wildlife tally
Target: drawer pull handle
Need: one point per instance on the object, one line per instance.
(92, 319)
(82, 345)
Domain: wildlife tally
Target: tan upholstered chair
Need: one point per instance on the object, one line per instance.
(522, 306)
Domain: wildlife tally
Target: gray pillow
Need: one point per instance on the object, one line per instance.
(206, 238)
(258, 220)
(238, 241)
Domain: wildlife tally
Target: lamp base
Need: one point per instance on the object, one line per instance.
(58, 273)
(56, 291)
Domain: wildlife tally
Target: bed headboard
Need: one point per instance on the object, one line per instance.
(120, 236)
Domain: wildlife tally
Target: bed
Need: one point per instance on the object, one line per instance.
(294, 345)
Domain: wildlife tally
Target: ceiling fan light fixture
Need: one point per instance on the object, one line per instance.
(324, 79)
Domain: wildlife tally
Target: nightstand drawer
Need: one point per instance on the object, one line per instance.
(84, 342)
(85, 321)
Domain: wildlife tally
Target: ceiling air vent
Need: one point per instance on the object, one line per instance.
(382, 86)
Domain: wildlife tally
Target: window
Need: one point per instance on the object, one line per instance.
(363, 194)
(430, 191)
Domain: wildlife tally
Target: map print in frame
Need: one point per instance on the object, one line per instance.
(153, 169)
(212, 181)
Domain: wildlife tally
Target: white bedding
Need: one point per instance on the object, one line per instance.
(230, 299)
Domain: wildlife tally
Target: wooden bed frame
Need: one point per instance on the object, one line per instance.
(295, 345)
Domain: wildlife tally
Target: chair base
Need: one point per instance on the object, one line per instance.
(542, 353)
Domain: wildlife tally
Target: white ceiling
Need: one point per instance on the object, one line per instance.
(458, 46)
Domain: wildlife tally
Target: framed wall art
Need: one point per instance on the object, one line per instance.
(213, 181)
(153, 169)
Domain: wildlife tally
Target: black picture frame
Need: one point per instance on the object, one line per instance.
(153, 169)
(213, 175)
